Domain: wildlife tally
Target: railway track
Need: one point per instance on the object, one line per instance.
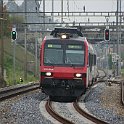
(87, 115)
(56, 115)
(101, 77)
(12, 91)
(63, 120)
(77, 108)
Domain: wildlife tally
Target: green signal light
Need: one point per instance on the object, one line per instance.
(14, 35)
(13, 32)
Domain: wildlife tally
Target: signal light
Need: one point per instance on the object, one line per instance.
(20, 79)
(14, 35)
(107, 35)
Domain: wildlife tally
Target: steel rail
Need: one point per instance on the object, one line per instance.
(112, 81)
(8, 92)
(87, 115)
(55, 115)
(97, 76)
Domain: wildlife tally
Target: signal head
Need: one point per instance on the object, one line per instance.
(106, 35)
(14, 35)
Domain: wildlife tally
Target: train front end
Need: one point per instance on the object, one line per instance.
(63, 67)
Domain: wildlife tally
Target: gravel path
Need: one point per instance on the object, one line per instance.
(104, 102)
(23, 110)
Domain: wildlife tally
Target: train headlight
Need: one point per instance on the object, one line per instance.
(48, 73)
(78, 75)
(63, 36)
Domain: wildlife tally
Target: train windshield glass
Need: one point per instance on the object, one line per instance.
(74, 55)
(64, 54)
(53, 54)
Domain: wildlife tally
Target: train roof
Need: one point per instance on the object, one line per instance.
(67, 30)
(70, 34)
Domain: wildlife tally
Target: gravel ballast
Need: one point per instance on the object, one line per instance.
(104, 103)
(23, 110)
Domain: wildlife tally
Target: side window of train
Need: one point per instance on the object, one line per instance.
(90, 59)
(94, 59)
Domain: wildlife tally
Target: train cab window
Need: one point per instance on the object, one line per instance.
(74, 54)
(74, 57)
(53, 54)
(64, 54)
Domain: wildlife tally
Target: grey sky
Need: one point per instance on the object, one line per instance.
(91, 5)
(77, 5)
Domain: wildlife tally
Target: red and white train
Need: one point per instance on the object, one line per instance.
(67, 64)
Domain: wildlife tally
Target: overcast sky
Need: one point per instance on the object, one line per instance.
(77, 5)
(90, 5)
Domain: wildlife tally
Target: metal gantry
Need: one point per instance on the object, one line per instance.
(118, 24)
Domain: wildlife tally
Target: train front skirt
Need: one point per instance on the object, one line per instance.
(63, 87)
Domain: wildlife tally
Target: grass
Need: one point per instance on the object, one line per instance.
(19, 64)
(19, 72)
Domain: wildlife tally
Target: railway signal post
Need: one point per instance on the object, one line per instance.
(13, 38)
(107, 38)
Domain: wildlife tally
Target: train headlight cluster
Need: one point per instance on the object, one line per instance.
(63, 36)
(48, 74)
(78, 75)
